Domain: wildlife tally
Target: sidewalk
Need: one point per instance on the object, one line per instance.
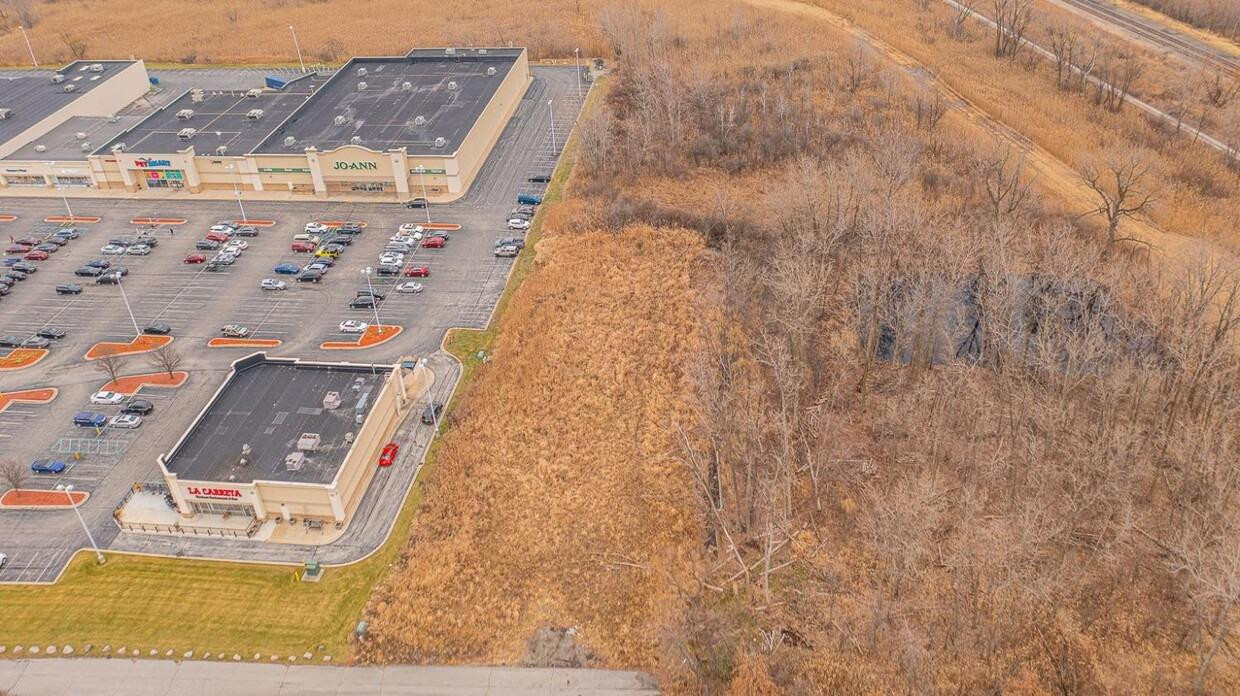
(100, 677)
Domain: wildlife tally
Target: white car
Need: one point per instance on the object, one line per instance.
(406, 239)
(125, 420)
(225, 258)
(518, 224)
(312, 238)
(273, 284)
(392, 260)
(399, 256)
(235, 331)
(353, 326)
(138, 250)
(108, 398)
(315, 228)
(226, 230)
(113, 249)
(409, 287)
(410, 228)
(238, 244)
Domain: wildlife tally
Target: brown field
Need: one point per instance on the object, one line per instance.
(1220, 16)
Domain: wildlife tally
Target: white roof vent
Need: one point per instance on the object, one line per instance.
(96, 67)
(254, 114)
(80, 135)
(491, 71)
(222, 149)
(40, 148)
(86, 146)
(253, 93)
(185, 114)
(187, 133)
(71, 87)
(196, 95)
(482, 51)
(449, 51)
(406, 86)
(440, 142)
(356, 140)
(290, 141)
(5, 114)
(452, 84)
(119, 147)
(340, 120)
(419, 120)
(361, 86)
(57, 78)
(362, 72)
(113, 118)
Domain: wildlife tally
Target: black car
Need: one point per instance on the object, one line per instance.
(341, 240)
(5, 289)
(7, 281)
(215, 266)
(362, 303)
(207, 245)
(16, 275)
(377, 294)
(350, 228)
(49, 247)
(417, 203)
(36, 342)
(311, 276)
(333, 248)
(157, 327)
(108, 278)
(119, 270)
(140, 407)
(246, 231)
(437, 233)
(88, 272)
(69, 288)
(540, 178)
(50, 332)
(123, 241)
(510, 241)
(388, 269)
(10, 342)
(99, 263)
(26, 268)
(432, 413)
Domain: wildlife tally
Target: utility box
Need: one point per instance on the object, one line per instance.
(309, 442)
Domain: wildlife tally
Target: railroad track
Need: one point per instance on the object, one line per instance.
(1170, 40)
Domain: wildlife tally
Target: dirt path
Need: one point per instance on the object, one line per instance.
(1054, 178)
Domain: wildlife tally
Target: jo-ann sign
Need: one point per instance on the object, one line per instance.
(359, 166)
(215, 493)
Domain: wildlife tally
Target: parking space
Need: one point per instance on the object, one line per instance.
(464, 285)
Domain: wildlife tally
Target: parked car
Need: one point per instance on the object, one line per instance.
(329, 251)
(90, 419)
(107, 398)
(273, 284)
(377, 294)
(399, 247)
(36, 342)
(410, 228)
(47, 466)
(303, 247)
(214, 266)
(24, 267)
(313, 275)
(157, 327)
(315, 228)
(89, 271)
(125, 420)
(409, 287)
(207, 245)
(246, 231)
(10, 342)
(529, 199)
(217, 237)
(49, 247)
(540, 178)
(68, 289)
(433, 243)
(224, 258)
(16, 249)
(100, 263)
(350, 228)
(343, 240)
(123, 241)
(431, 414)
(148, 241)
(10, 260)
(36, 256)
(418, 272)
(508, 251)
(16, 275)
(417, 203)
(322, 265)
(387, 269)
(362, 303)
(353, 326)
(50, 332)
(287, 268)
(108, 278)
(28, 241)
(140, 407)
(226, 230)
(388, 455)
(518, 242)
(112, 249)
(138, 250)
(4, 560)
(235, 331)
(518, 224)
(312, 238)
(392, 258)
(240, 244)
(195, 258)
(67, 233)
(437, 233)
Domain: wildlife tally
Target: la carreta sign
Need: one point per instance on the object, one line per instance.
(148, 163)
(216, 493)
(359, 166)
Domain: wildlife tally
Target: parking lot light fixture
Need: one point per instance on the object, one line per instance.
(577, 60)
(422, 180)
(237, 193)
(137, 332)
(63, 197)
(551, 109)
(68, 489)
(374, 303)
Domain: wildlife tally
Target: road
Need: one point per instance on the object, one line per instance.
(97, 677)
(1161, 35)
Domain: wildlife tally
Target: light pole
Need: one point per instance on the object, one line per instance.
(298, 47)
(577, 59)
(68, 489)
(28, 46)
(422, 180)
(60, 187)
(237, 192)
(136, 331)
(374, 301)
(551, 108)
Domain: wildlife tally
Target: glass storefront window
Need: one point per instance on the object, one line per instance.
(24, 180)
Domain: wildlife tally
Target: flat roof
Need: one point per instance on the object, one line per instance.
(448, 91)
(220, 119)
(63, 143)
(268, 404)
(34, 97)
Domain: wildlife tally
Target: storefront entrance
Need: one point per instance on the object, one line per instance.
(221, 508)
(164, 178)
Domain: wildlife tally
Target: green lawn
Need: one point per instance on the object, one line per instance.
(142, 602)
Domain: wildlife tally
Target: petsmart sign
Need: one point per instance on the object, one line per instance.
(356, 166)
(151, 163)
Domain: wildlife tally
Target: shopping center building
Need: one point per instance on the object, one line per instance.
(388, 127)
(291, 439)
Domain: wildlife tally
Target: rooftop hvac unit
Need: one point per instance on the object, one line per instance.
(290, 141)
(361, 86)
(40, 148)
(491, 71)
(96, 67)
(57, 78)
(294, 461)
(449, 51)
(119, 147)
(419, 120)
(254, 114)
(86, 146)
(71, 87)
(253, 93)
(340, 120)
(440, 142)
(482, 51)
(186, 133)
(452, 84)
(356, 140)
(196, 95)
(362, 72)
(5, 114)
(308, 442)
(185, 114)
(406, 86)
(331, 400)
(113, 118)
(221, 150)
(80, 135)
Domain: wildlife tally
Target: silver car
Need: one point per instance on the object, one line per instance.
(125, 420)
(138, 250)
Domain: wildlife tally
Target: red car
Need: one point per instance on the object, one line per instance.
(17, 249)
(28, 241)
(432, 243)
(195, 258)
(418, 272)
(389, 454)
(303, 246)
(36, 256)
(217, 237)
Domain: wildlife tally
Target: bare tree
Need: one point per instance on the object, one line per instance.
(76, 44)
(860, 69)
(111, 365)
(1116, 74)
(1012, 19)
(1119, 183)
(167, 359)
(12, 473)
(964, 10)
(1063, 43)
(1003, 176)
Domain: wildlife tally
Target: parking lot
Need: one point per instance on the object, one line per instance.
(464, 284)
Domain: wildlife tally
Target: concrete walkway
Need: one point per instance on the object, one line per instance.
(119, 677)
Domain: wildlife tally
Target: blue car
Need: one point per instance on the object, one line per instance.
(90, 419)
(47, 466)
(288, 268)
(11, 260)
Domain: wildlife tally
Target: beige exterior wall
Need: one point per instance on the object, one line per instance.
(117, 92)
(472, 153)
